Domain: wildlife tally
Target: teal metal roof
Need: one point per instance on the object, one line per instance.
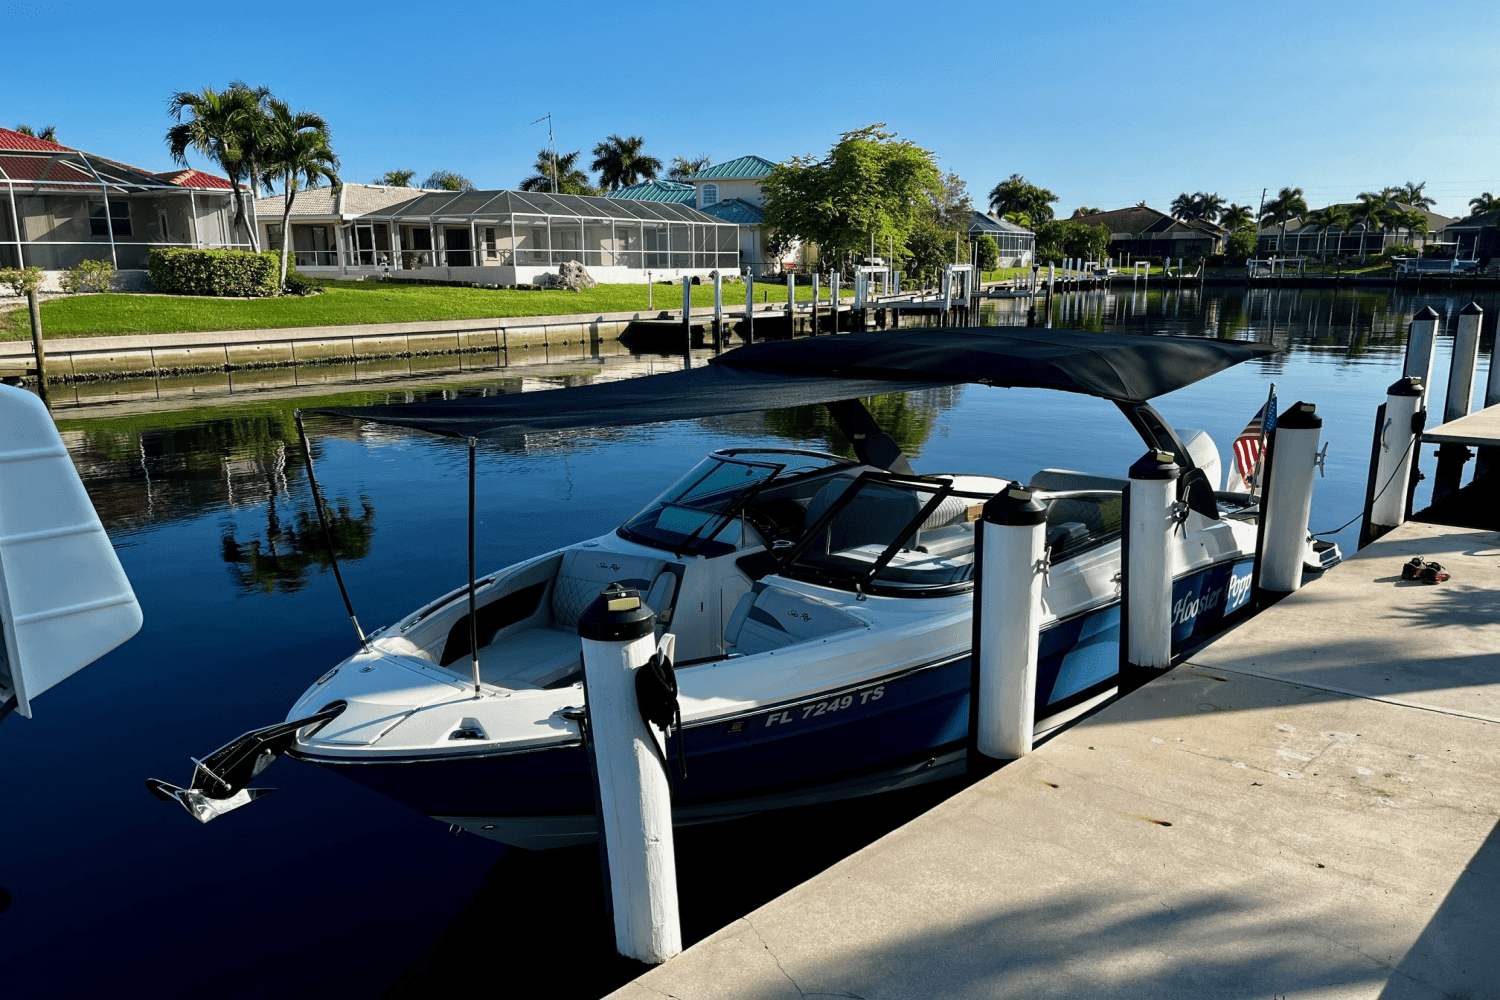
(736, 210)
(745, 166)
(684, 194)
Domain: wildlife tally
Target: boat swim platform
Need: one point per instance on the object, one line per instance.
(1305, 808)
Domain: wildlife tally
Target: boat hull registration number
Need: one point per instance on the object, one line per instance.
(826, 707)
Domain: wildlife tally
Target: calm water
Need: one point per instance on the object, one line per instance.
(326, 887)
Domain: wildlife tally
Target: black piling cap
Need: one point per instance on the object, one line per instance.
(617, 615)
(1300, 417)
(1427, 313)
(1156, 465)
(1472, 309)
(1406, 385)
(1015, 506)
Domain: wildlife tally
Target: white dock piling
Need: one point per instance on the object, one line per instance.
(833, 300)
(1465, 357)
(1008, 605)
(1419, 345)
(618, 633)
(750, 308)
(814, 328)
(687, 322)
(1288, 498)
(1395, 454)
(1147, 613)
(718, 306)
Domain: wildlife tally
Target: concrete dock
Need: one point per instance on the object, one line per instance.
(1306, 808)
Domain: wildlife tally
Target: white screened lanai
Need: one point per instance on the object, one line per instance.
(512, 237)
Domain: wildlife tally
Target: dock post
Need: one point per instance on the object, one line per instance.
(687, 322)
(718, 307)
(1397, 446)
(36, 345)
(791, 303)
(1453, 457)
(1291, 456)
(947, 291)
(750, 308)
(1489, 458)
(635, 805)
(1146, 612)
(814, 326)
(1010, 545)
(1419, 345)
(1051, 279)
(833, 299)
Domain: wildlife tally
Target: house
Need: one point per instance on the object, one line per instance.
(496, 237)
(63, 206)
(1474, 238)
(1017, 243)
(729, 192)
(1140, 231)
(1304, 238)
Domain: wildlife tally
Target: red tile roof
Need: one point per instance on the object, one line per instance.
(15, 140)
(195, 179)
(36, 168)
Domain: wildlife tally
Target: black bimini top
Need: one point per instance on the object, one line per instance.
(767, 376)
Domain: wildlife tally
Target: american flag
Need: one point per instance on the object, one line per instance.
(1251, 444)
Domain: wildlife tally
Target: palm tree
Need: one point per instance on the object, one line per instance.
(1332, 217)
(684, 167)
(1236, 217)
(218, 126)
(1413, 221)
(1370, 212)
(1483, 204)
(621, 163)
(1202, 205)
(1017, 194)
(570, 180)
(253, 130)
(1286, 206)
(396, 178)
(447, 180)
(48, 134)
(296, 152)
(1416, 195)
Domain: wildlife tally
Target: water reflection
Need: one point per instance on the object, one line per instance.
(280, 562)
(909, 418)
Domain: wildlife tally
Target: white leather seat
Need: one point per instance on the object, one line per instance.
(770, 618)
(586, 572)
(533, 657)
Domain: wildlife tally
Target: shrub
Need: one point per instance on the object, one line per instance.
(180, 271)
(989, 253)
(1401, 250)
(298, 284)
(89, 276)
(1240, 245)
(22, 280)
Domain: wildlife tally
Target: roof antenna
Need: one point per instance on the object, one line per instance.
(552, 145)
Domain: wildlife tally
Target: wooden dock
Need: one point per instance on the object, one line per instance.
(1306, 808)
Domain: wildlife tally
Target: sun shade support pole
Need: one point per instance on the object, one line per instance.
(473, 618)
(333, 559)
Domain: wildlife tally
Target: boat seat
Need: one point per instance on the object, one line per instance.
(586, 572)
(769, 618)
(531, 658)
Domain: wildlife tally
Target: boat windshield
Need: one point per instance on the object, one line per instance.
(886, 533)
(691, 516)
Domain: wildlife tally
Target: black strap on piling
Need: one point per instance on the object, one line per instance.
(656, 698)
(473, 618)
(333, 558)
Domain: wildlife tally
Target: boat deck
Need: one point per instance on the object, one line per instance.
(1306, 808)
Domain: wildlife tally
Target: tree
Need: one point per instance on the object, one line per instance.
(1084, 210)
(1019, 218)
(220, 125)
(296, 152)
(988, 253)
(621, 163)
(1202, 205)
(1332, 217)
(1286, 206)
(1059, 239)
(1372, 211)
(928, 247)
(870, 186)
(1411, 220)
(570, 179)
(1240, 245)
(47, 134)
(684, 167)
(1483, 204)
(396, 178)
(447, 180)
(951, 207)
(1017, 194)
(1416, 195)
(1236, 217)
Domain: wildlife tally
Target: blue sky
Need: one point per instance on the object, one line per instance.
(1105, 104)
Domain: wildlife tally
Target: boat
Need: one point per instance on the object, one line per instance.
(821, 606)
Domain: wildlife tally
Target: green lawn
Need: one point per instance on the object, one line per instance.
(355, 302)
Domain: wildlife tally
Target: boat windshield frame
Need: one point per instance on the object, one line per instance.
(697, 543)
(866, 582)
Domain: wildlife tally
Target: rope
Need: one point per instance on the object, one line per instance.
(1377, 496)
